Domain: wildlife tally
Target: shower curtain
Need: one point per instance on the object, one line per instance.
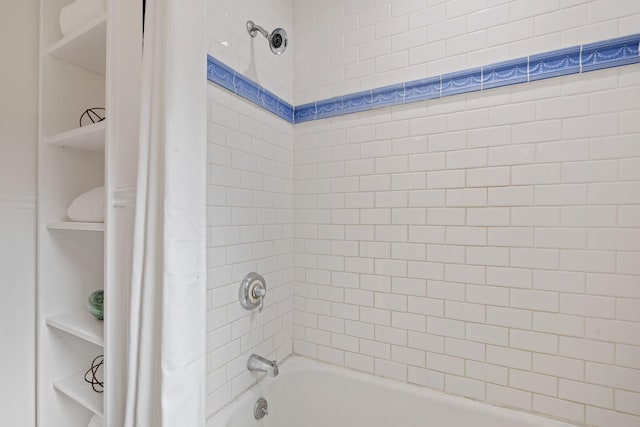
(166, 368)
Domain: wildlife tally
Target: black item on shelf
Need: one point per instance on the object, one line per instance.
(91, 376)
(95, 114)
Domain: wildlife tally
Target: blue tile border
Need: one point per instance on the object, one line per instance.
(388, 95)
(610, 53)
(505, 73)
(555, 63)
(572, 60)
(356, 102)
(304, 113)
(220, 74)
(329, 108)
(423, 89)
(229, 79)
(461, 82)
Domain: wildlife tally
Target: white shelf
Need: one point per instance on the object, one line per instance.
(80, 324)
(90, 138)
(77, 389)
(86, 47)
(75, 226)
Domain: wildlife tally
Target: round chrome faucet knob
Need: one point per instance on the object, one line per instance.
(253, 289)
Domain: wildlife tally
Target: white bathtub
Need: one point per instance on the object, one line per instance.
(312, 394)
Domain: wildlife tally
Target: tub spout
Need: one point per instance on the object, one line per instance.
(260, 364)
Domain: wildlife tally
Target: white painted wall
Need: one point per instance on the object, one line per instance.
(18, 142)
(487, 244)
(19, 102)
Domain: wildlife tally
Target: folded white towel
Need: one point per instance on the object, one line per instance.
(88, 207)
(96, 421)
(78, 13)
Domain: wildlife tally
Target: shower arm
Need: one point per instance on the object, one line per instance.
(253, 29)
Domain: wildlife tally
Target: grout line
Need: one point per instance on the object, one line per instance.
(233, 83)
(580, 59)
(404, 92)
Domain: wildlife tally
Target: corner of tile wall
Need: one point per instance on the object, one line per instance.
(249, 228)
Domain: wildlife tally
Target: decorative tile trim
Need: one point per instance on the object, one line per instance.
(505, 73)
(388, 95)
(220, 74)
(572, 60)
(461, 82)
(304, 113)
(554, 64)
(329, 108)
(610, 53)
(356, 102)
(225, 77)
(421, 90)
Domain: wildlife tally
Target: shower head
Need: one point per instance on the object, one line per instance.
(277, 39)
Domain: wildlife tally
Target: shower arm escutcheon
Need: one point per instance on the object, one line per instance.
(253, 29)
(252, 292)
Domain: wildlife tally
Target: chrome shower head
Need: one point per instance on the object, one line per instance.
(278, 38)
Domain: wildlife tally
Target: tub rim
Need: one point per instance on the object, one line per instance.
(293, 364)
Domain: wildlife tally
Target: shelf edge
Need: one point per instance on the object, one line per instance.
(59, 323)
(63, 139)
(76, 226)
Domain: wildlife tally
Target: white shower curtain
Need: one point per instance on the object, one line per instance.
(166, 368)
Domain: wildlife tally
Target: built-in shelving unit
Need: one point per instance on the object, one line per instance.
(98, 65)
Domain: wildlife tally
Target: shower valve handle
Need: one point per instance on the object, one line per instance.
(252, 292)
(258, 293)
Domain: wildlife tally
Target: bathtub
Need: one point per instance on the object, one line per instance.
(312, 394)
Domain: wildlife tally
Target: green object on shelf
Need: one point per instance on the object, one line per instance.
(96, 304)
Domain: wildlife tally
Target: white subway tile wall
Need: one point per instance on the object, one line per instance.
(497, 268)
(249, 228)
(485, 245)
(344, 46)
